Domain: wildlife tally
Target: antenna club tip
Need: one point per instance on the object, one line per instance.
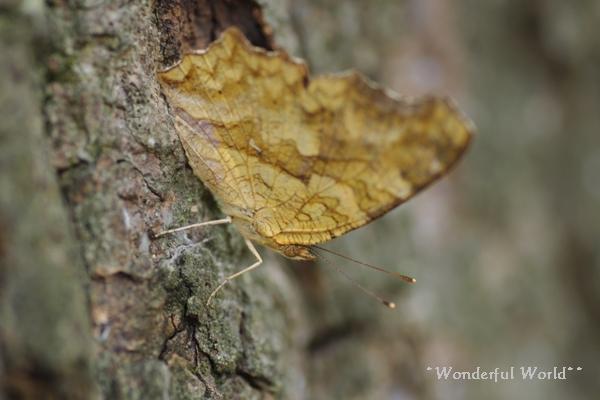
(389, 304)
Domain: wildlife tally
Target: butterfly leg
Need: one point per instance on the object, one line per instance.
(229, 278)
(184, 228)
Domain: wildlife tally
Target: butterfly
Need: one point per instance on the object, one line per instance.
(295, 161)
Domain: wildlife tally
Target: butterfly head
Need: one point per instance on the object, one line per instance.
(297, 252)
(263, 231)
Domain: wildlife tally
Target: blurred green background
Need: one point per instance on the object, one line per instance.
(506, 249)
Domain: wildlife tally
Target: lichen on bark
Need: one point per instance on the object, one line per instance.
(103, 170)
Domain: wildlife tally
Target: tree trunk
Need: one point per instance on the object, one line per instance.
(92, 305)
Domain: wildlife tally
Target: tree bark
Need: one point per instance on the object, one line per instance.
(114, 313)
(92, 305)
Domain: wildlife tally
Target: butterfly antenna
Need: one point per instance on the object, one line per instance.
(392, 273)
(366, 291)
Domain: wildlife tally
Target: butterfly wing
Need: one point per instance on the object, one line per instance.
(305, 161)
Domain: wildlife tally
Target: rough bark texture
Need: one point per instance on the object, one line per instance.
(89, 124)
(505, 251)
(123, 174)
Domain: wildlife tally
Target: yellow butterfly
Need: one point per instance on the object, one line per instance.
(293, 161)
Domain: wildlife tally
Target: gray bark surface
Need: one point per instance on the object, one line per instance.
(92, 306)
